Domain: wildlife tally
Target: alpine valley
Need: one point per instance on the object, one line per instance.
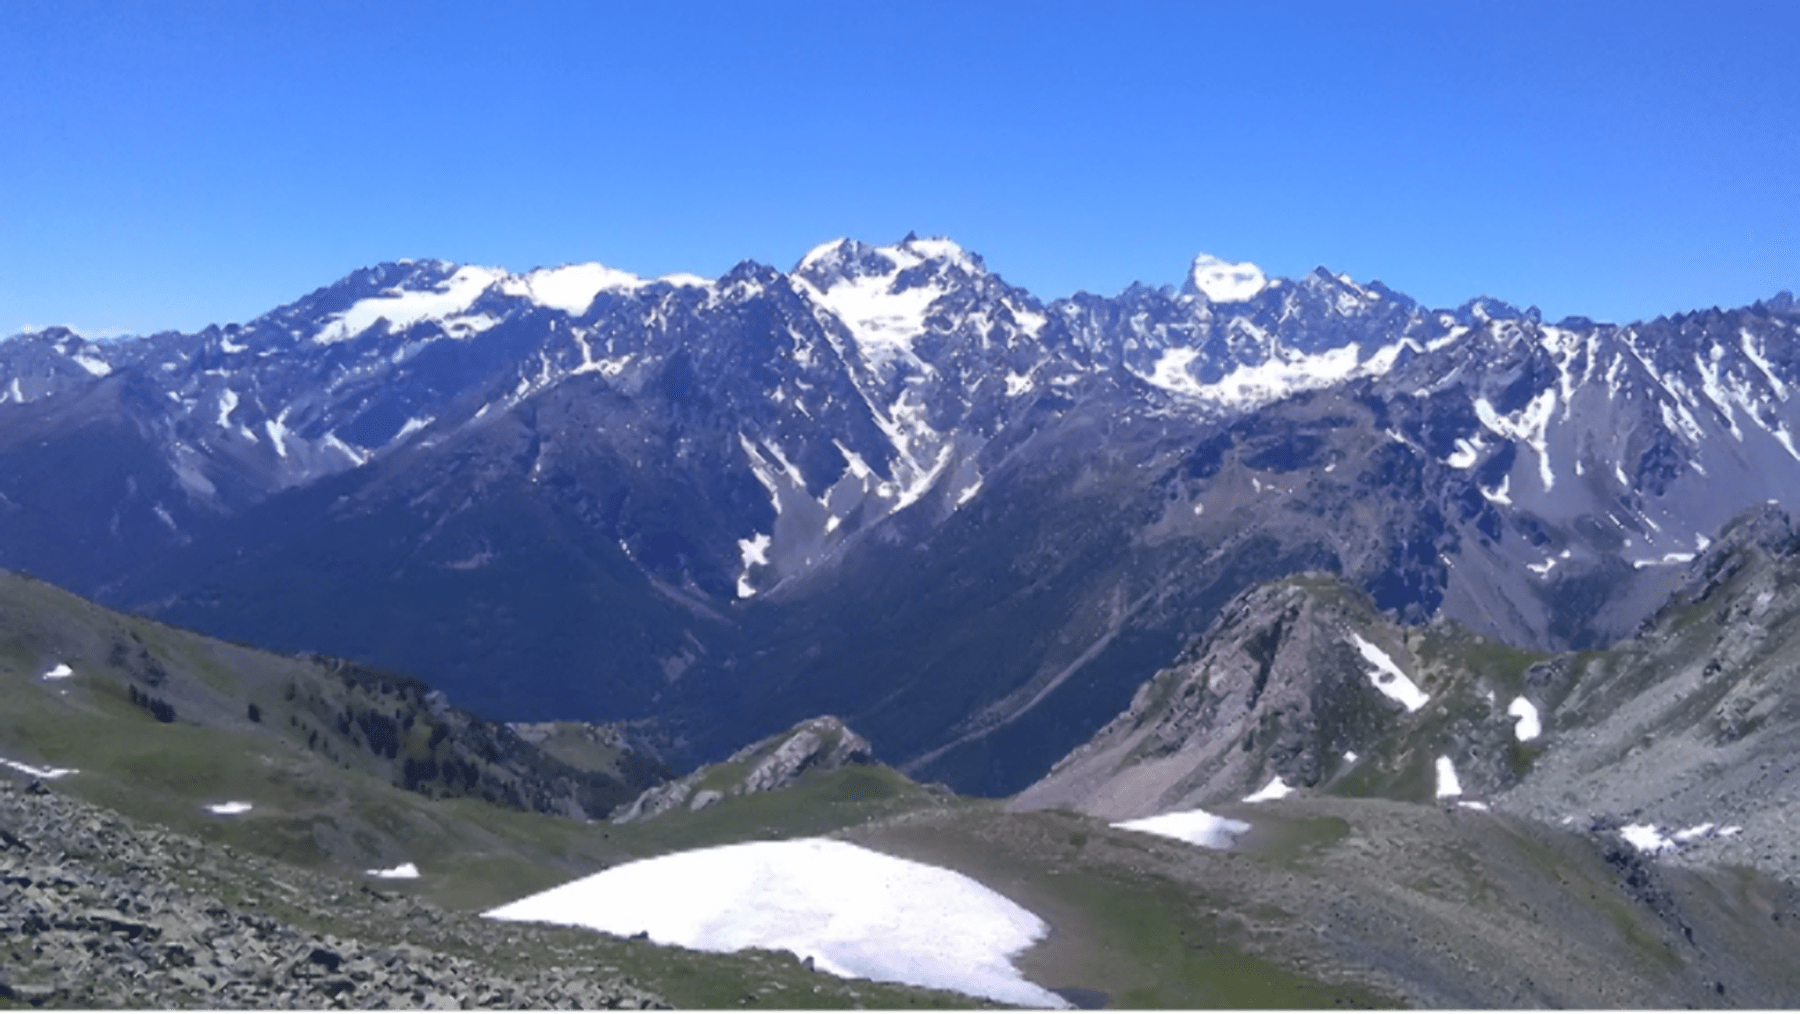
(1456, 643)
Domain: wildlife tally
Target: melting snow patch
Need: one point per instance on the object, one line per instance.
(1645, 838)
(405, 871)
(755, 550)
(1196, 827)
(1527, 727)
(60, 671)
(1387, 676)
(1465, 455)
(855, 912)
(1689, 834)
(227, 809)
(1447, 785)
(1470, 804)
(47, 774)
(1276, 789)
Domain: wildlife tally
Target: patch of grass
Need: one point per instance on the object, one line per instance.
(1121, 924)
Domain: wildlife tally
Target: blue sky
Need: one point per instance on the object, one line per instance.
(171, 165)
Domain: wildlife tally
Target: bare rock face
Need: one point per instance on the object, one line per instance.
(823, 744)
(1278, 689)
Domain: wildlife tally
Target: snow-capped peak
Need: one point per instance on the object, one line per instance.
(863, 287)
(570, 288)
(402, 307)
(1223, 282)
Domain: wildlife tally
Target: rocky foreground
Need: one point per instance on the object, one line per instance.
(97, 911)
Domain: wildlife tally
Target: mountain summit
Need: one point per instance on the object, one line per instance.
(887, 485)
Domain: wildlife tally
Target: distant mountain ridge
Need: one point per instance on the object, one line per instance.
(886, 485)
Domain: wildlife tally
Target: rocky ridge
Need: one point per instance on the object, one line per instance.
(817, 744)
(98, 911)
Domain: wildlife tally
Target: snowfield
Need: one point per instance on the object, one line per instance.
(405, 871)
(1196, 827)
(857, 913)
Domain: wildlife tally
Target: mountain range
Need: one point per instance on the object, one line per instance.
(885, 485)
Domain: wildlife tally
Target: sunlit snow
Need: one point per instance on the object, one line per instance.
(855, 912)
(227, 809)
(570, 288)
(60, 671)
(47, 774)
(1447, 785)
(1196, 827)
(405, 871)
(402, 307)
(1276, 789)
(1223, 282)
(1465, 455)
(1530, 426)
(1646, 838)
(1387, 676)
(1527, 727)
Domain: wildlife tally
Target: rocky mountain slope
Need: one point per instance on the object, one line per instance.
(574, 493)
(1678, 742)
(818, 744)
(156, 863)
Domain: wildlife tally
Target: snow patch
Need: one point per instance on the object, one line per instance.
(1465, 455)
(1646, 838)
(228, 402)
(60, 671)
(278, 431)
(1527, 727)
(1387, 676)
(1447, 785)
(855, 912)
(92, 363)
(1276, 789)
(405, 871)
(1530, 426)
(403, 308)
(1196, 827)
(227, 809)
(413, 425)
(46, 774)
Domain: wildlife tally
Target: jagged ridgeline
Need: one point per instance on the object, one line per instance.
(1687, 732)
(885, 485)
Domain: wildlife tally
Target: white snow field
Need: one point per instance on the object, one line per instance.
(47, 774)
(228, 809)
(60, 672)
(1527, 727)
(857, 913)
(1447, 784)
(1196, 827)
(1276, 789)
(405, 871)
(1387, 676)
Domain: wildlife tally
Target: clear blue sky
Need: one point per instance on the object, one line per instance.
(174, 164)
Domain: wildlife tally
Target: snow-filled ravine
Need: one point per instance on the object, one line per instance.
(857, 913)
